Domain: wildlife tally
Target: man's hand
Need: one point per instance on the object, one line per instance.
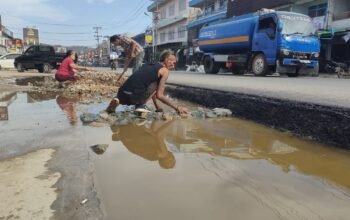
(181, 110)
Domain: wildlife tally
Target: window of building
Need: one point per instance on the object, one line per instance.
(318, 10)
(182, 5)
(212, 8)
(171, 10)
(222, 4)
(171, 34)
(162, 37)
(181, 32)
(163, 13)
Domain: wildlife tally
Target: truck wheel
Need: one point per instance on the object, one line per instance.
(316, 71)
(20, 67)
(237, 70)
(46, 68)
(259, 65)
(295, 74)
(210, 66)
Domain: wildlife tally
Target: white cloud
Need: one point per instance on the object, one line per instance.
(103, 1)
(34, 8)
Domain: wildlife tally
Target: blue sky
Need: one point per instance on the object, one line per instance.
(71, 22)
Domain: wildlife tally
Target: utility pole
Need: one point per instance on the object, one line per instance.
(97, 37)
(108, 44)
(154, 32)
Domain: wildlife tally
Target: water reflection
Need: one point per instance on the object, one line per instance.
(6, 98)
(4, 116)
(67, 104)
(33, 97)
(245, 140)
(146, 141)
(236, 139)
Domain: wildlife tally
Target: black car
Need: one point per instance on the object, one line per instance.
(40, 57)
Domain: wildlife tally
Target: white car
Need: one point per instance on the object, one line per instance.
(7, 61)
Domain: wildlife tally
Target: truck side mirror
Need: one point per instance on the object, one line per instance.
(280, 26)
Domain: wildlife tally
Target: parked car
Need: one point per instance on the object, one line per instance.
(40, 57)
(8, 61)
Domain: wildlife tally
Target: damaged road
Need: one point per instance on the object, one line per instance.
(91, 165)
(313, 108)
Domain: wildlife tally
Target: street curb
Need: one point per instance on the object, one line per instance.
(325, 124)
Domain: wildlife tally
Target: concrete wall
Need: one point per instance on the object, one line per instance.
(239, 7)
(340, 17)
(303, 8)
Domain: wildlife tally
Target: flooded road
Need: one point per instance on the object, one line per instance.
(180, 169)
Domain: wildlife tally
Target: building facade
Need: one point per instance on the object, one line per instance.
(240, 7)
(6, 39)
(170, 18)
(336, 38)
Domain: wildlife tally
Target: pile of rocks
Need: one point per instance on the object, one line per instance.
(128, 116)
(91, 84)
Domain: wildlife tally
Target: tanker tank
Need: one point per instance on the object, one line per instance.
(232, 36)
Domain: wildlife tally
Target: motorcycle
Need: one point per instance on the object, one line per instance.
(114, 64)
(341, 69)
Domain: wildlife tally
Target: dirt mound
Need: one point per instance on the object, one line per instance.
(91, 84)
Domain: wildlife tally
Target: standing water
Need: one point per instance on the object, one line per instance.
(187, 168)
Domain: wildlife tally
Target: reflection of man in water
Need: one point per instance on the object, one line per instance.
(67, 105)
(148, 143)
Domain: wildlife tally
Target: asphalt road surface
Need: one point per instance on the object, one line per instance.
(324, 90)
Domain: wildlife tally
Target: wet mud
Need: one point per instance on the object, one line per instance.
(27, 187)
(325, 124)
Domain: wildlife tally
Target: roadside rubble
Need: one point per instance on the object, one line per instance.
(92, 84)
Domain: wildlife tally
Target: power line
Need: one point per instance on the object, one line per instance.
(66, 33)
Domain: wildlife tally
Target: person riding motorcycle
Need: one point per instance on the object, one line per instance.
(113, 59)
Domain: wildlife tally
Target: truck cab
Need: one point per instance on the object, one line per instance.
(288, 43)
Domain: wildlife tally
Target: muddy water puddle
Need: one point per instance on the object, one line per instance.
(191, 168)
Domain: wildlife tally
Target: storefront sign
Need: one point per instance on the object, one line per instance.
(30, 37)
(319, 22)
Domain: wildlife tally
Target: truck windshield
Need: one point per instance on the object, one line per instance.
(294, 24)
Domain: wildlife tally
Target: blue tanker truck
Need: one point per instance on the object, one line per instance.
(261, 42)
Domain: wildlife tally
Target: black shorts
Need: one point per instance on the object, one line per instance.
(138, 97)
